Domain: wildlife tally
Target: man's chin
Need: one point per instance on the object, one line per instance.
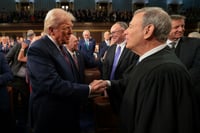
(179, 35)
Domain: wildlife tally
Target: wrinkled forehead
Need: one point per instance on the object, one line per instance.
(115, 27)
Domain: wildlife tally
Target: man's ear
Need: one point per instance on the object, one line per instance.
(51, 30)
(148, 31)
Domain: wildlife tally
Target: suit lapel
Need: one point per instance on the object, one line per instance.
(74, 69)
(121, 57)
(67, 69)
(182, 48)
(112, 54)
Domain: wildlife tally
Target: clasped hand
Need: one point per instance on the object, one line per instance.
(98, 86)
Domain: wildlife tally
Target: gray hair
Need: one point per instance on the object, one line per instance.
(159, 18)
(86, 31)
(122, 24)
(55, 17)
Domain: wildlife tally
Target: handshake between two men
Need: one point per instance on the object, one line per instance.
(98, 86)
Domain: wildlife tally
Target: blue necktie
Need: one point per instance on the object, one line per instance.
(87, 44)
(116, 59)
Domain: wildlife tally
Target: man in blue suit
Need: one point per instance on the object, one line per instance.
(87, 45)
(6, 121)
(56, 92)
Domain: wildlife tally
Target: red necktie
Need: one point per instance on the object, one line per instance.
(64, 54)
(75, 60)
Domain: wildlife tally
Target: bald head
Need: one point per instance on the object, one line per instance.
(72, 44)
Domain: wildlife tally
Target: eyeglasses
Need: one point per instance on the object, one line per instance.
(111, 33)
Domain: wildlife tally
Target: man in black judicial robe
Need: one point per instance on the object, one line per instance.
(158, 95)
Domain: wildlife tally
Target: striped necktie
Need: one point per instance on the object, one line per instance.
(172, 44)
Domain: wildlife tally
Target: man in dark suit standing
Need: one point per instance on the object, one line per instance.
(187, 50)
(72, 48)
(56, 92)
(78, 58)
(117, 59)
(87, 45)
(115, 70)
(86, 113)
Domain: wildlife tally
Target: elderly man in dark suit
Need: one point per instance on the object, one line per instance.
(56, 92)
(78, 58)
(187, 50)
(114, 70)
(86, 113)
(87, 45)
(117, 59)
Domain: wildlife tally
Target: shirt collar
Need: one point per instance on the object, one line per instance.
(152, 51)
(170, 41)
(71, 53)
(122, 45)
(53, 41)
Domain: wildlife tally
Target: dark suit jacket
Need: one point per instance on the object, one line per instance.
(188, 51)
(81, 66)
(5, 77)
(12, 56)
(87, 52)
(102, 49)
(127, 59)
(56, 96)
(4, 50)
